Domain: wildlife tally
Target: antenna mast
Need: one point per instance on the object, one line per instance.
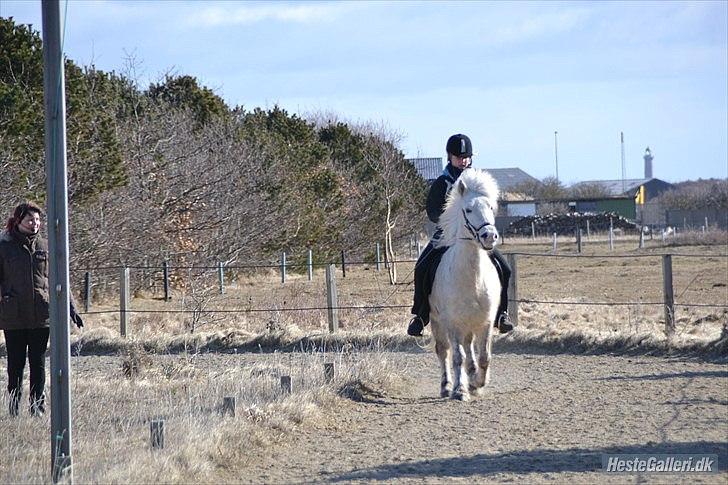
(621, 135)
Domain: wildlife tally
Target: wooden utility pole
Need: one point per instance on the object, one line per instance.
(55, 154)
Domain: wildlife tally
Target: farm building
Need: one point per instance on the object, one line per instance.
(629, 187)
(430, 168)
(508, 178)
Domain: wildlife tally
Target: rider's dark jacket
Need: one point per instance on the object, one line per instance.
(439, 190)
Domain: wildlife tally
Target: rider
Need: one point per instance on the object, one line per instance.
(459, 156)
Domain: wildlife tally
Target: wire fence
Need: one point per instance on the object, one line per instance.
(515, 300)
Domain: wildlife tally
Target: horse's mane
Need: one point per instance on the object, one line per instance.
(476, 183)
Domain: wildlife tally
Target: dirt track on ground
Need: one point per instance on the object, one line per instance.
(544, 418)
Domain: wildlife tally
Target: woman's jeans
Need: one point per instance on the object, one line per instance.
(31, 343)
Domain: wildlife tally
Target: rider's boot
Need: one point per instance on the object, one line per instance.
(416, 326)
(503, 322)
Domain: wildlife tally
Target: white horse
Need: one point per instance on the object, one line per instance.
(466, 291)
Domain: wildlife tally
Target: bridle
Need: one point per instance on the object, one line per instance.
(474, 231)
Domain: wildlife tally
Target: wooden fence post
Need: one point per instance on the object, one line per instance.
(221, 277)
(554, 250)
(228, 406)
(156, 432)
(343, 264)
(379, 258)
(611, 238)
(286, 384)
(667, 291)
(588, 232)
(331, 299)
(87, 291)
(641, 244)
(165, 267)
(328, 372)
(513, 290)
(578, 240)
(310, 265)
(123, 301)
(533, 230)
(283, 267)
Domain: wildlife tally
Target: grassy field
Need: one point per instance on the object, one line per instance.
(162, 370)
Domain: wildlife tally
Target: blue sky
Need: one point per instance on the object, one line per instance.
(508, 74)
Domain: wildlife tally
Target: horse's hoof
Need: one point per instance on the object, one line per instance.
(444, 392)
(477, 391)
(460, 396)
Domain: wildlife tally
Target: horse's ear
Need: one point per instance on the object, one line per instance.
(462, 187)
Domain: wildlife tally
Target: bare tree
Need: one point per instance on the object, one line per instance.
(396, 182)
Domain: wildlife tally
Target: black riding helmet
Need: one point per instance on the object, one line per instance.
(460, 146)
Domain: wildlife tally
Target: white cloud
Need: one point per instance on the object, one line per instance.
(538, 26)
(232, 14)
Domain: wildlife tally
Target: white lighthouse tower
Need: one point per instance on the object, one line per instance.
(648, 163)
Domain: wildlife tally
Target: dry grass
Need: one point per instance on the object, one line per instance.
(164, 370)
(112, 410)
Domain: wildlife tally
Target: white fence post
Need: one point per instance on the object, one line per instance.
(554, 250)
(123, 301)
(310, 265)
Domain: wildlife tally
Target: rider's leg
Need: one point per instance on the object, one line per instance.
(420, 306)
(504, 273)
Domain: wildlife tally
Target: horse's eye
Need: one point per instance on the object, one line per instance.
(468, 211)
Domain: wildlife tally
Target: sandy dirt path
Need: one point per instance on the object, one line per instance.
(544, 418)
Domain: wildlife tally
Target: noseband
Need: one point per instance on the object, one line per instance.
(474, 231)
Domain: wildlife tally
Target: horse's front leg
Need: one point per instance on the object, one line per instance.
(442, 348)
(484, 360)
(470, 359)
(460, 384)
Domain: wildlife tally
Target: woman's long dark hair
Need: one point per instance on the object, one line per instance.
(21, 211)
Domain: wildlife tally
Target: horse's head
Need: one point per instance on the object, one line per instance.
(470, 210)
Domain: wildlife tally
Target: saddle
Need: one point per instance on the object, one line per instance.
(433, 261)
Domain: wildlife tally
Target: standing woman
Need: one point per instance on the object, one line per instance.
(24, 304)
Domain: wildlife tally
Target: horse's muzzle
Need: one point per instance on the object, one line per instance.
(489, 238)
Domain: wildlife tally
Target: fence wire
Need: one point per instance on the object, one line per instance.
(383, 306)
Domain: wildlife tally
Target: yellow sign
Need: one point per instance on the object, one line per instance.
(639, 197)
